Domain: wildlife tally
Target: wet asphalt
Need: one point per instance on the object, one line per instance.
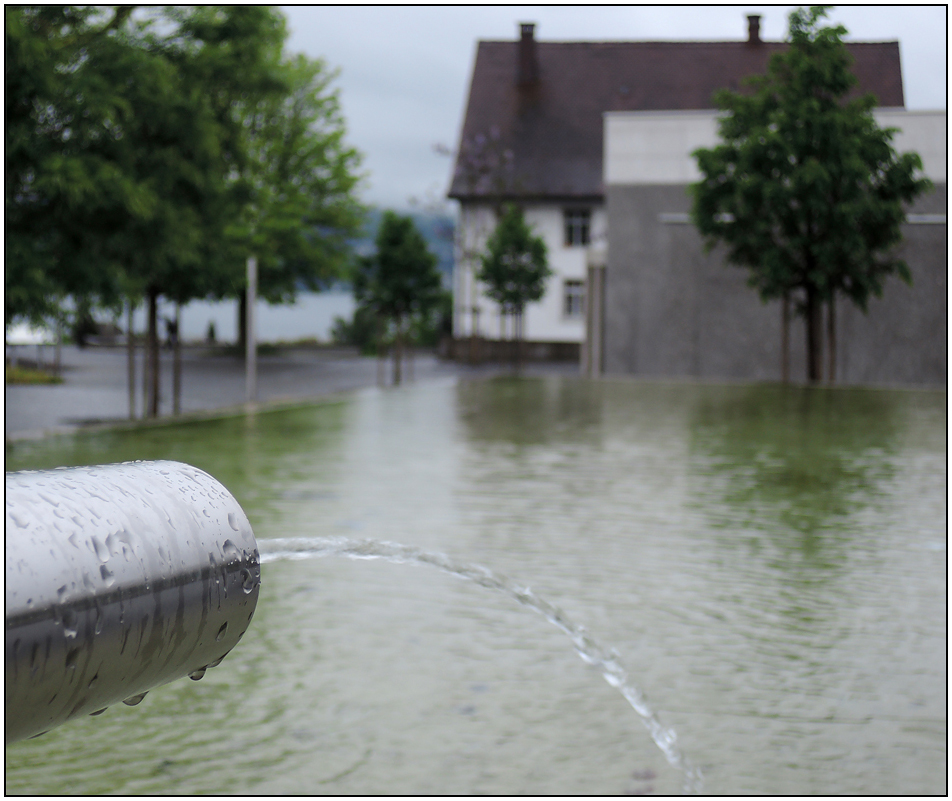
(95, 393)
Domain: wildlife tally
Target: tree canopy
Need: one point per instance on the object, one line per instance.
(400, 281)
(150, 151)
(514, 264)
(62, 188)
(296, 188)
(805, 190)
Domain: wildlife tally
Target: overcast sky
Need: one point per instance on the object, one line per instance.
(405, 72)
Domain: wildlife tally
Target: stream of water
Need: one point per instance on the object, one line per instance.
(591, 652)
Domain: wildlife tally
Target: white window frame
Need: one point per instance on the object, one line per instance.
(576, 227)
(573, 299)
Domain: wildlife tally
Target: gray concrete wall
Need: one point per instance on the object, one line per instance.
(674, 310)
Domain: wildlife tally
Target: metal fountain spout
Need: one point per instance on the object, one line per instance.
(119, 578)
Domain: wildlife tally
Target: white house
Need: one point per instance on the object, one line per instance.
(559, 317)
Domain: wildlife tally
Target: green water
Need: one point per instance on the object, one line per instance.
(769, 563)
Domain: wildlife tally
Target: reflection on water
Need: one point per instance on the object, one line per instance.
(796, 458)
(769, 562)
(254, 455)
(522, 412)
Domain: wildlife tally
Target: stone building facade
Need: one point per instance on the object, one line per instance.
(670, 309)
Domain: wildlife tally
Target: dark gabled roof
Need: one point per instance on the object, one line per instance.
(544, 139)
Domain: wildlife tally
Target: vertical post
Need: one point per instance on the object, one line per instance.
(472, 336)
(598, 326)
(459, 296)
(831, 338)
(785, 339)
(397, 351)
(520, 337)
(381, 356)
(585, 349)
(131, 360)
(814, 314)
(241, 340)
(177, 363)
(474, 350)
(153, 346)
(251, 340)
(593, 346)
(474, 312)
(58, 353)
(146, 371)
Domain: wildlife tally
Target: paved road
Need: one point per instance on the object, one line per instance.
(94, 390)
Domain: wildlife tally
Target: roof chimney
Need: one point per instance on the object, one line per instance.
(753, 29)
(528, 67)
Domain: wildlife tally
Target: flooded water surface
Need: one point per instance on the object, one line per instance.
(762, 568)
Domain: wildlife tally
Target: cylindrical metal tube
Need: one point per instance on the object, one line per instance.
(119, 578)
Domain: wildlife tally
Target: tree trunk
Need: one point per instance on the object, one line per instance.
(831, 338)
(131, 360)
(381, 355)
(242, 320)
(814, 312)
(153, 346)
(785, 339)
(177, 365)
(146, 369)
(474, 355)
(251, 331)
(397, 351)
(518, 349)
(58, 353)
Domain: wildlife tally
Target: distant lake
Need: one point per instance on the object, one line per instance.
(311, 316)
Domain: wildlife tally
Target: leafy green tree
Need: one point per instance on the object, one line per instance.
(174, 144)
(116, 181)
(148, 155)
(399, 282)
(429, 330)
(514, 267)
(362, 331)
(425, 330)
(805, 189)
(64, 195)
(296, 203)
(233, 55)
